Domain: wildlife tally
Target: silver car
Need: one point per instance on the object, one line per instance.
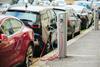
(73, 21)
(84, 14)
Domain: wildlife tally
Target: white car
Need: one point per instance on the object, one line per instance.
(41, 19)
(73, 22)
(58, 3)
(4, 7)
(84, 14)
(86, 4)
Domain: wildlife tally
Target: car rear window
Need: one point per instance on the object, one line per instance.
(23, 15)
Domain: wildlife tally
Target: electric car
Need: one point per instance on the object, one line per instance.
(43, 22)
(73, 22)
(16, 42)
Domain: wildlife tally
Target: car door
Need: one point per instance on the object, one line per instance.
(18, 35)
(12, 28)
(75, 20)
(53, 24)
(9, 44)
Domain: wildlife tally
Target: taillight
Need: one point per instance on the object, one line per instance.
(70, 22)
(35, 26)
(31, 35)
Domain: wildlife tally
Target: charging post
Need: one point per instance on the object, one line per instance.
(62, 34)
(96, 19)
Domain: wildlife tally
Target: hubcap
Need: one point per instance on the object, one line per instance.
(29, 56)
(48, 47)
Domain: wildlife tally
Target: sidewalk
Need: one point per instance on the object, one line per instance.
(85, 52)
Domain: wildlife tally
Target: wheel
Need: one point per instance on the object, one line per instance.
(91, 22)
(55, 44)
(70, 36)
(77, 33)
(29, 55)
(49, 46)
(40, 48)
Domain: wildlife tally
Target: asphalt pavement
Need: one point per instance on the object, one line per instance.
(85, 52)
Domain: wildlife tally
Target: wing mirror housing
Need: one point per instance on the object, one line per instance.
(3, 37)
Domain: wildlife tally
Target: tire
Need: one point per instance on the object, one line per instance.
(49, 46)
(28, 58)
(70, 36)
(91, 22)
(55, 44)
(77, 33)
(40, 49)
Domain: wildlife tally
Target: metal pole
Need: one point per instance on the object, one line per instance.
(61, 34)
(96, 21)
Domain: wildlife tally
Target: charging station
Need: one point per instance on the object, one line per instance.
(96, 19)
(62, 34)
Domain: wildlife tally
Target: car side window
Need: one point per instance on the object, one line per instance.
(52, 16)
(71, 14)
(16, 25)
(45, 19)
(7, 27)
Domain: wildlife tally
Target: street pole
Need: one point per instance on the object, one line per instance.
(96, 19)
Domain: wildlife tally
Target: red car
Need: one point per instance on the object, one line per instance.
(16, 42)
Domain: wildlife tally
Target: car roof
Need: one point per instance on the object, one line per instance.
(82, 2)
(29, 8)
(76, 6)
(64, 8)
(2, 16)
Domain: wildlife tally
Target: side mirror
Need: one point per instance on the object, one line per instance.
(3, 37)
(36, 26)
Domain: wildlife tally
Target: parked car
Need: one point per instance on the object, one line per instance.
(86, 4)
(44, 3)
(97, 6)
(16, 42)
(73, 22)
(84, 14)
(3, 7)
(58, 3)
(41, 19)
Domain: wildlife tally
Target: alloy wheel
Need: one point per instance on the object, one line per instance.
(29, 56)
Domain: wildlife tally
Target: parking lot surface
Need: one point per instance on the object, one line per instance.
(84, 52)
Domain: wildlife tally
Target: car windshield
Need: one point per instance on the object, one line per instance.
(85, 5)
(98, 4)
(23, 15)
(57, 11)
